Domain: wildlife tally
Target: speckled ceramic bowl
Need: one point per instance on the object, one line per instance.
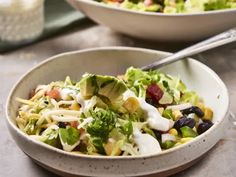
(158, 26)
(114, 61)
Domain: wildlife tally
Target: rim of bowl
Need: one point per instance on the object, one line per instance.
(119, 48)
(213, 12)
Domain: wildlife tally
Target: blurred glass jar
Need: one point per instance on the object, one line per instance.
(21, 20)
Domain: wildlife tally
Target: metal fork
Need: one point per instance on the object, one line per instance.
(213, 42)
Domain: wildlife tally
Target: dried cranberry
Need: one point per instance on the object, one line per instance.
(154, 92)
(184, 121)
(204, 126)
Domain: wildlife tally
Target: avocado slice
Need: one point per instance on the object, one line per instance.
(104, 86)
(88, 86)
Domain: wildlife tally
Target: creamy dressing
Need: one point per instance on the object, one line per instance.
(80, 100)
(65, 93)
(54, 127)
(154, 118)
(146, 143)
(68, 147)
(85, 104)
(167, 137)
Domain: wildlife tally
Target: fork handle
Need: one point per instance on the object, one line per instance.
(213, 42)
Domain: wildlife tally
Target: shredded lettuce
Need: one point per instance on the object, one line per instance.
(50, 136)
(138, 80)
(127, 128)
(30, 128)
(190, 97)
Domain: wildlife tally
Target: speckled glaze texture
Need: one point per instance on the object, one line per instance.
(114, 61)
(158, 26)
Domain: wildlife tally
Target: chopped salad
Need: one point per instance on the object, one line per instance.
(138, 113)
(172, 6)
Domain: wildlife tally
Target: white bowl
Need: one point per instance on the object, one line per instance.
(158, 26)
(114, 61)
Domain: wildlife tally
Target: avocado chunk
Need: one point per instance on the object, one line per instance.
(188, 132)
(104, 86)
(88, 86)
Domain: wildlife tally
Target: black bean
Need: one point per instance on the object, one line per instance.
(184, 121)
(46, 102)
(204, 126)
(62, 124)
(193, 109)
(158, 135)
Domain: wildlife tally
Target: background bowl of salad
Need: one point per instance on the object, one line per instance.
(162, 20)
(114, 61)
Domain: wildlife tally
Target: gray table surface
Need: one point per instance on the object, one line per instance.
(221, 161)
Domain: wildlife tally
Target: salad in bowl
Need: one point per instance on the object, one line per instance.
(172, 6)
(138, 113)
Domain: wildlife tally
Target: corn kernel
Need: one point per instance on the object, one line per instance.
(173, 131)
(75, 106)
(160, 109)
(111, 149)
(108, 148)
(201, 106)
(184, 140)
(131, 104)
(208, 114)
(177, 114)
(194, 129)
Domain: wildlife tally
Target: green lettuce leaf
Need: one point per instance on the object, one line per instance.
(138, 80)
(190, 97)
(127, 128)
(69, 135)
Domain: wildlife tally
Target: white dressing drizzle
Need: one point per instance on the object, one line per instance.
(154, 118)
(68, 147)
(167, 137)
(66, 92)
(146, 143)
(85, 104)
